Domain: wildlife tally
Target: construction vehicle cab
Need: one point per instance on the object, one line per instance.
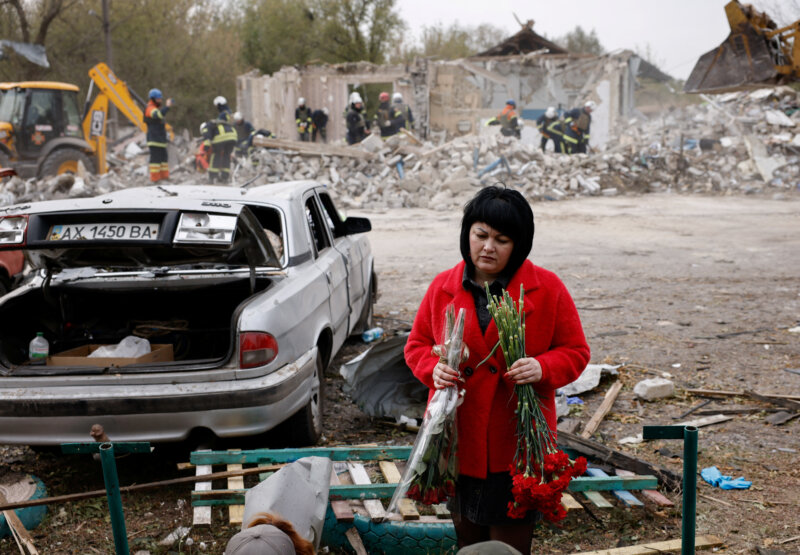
(43, 132)
(40, 129)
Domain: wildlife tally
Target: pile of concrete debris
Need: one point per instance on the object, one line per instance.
(729, 144)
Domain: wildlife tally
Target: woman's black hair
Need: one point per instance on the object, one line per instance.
(507, 211)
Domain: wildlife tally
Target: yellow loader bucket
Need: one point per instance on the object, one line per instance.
(743, 61)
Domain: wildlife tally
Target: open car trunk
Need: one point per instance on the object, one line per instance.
(171, 276)
(196, 316)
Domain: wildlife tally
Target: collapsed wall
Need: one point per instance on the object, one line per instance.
(450, 98)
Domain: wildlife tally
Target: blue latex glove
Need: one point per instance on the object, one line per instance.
(574, 401)
(713, 476)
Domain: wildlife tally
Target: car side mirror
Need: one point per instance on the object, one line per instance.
(354, 225)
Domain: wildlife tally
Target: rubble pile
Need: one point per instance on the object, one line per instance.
(729, 144)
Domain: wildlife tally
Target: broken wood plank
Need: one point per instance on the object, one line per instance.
(341, 509)
(706, 420)
(374, 506)
(614, 458)
(405, 506)
(653, 495)
(700, 542)
(785, 403)
(235, 512)
(781, 417)
(570, 503)
(356, 505)
(354, 539)
(313, 149)
(201, 516)
(18, 530)
(597, 499)
(602, 411)
(622, 494)
(724, 393)
(441, 511)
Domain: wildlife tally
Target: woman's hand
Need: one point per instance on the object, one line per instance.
(444, 376)
(525, 370)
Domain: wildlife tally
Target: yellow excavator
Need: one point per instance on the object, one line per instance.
(757, 53)
(42, 131)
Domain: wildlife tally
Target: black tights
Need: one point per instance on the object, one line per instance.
(518, 536)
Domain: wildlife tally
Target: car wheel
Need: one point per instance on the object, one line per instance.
(65, 160)
(305, 427)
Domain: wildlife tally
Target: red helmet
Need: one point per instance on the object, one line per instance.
(384, 97)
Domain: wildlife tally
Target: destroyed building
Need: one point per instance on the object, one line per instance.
(455, 97)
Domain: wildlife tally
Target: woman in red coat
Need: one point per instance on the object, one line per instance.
(496, 238)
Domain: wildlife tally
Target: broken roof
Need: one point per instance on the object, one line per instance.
(526, 40)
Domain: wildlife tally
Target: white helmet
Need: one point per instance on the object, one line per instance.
(550, 112)
(590, 105)
(220, 101)
(301, 101)
(237, 116)
(355, 98)
(397, 97)
(325, 111)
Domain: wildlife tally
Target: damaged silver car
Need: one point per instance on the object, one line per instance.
(245, 294)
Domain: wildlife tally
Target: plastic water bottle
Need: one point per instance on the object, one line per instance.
(38, 349)
(372, 334)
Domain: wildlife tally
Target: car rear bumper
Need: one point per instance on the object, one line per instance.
(155, 412)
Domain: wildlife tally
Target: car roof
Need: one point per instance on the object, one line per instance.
(279, 193)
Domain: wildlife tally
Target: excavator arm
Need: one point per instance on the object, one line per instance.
(113, 90)
(755, 54)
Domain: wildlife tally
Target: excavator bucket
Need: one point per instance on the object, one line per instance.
(747, 58)
(741, 62)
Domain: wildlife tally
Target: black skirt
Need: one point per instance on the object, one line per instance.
(485, 502)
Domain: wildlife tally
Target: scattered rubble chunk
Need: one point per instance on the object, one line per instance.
(654, 388)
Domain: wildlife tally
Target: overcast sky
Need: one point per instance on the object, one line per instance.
(677, 31)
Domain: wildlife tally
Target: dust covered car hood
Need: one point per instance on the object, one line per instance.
(120, 231)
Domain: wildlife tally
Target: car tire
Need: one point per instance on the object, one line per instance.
(305, 427)
(65, 160)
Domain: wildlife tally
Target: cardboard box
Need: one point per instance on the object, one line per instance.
(79, 356)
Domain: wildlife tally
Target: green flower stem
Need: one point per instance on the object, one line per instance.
(534, 440)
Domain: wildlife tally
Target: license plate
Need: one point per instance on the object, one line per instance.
(105, 232)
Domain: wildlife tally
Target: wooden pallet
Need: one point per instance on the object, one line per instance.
(362, 481)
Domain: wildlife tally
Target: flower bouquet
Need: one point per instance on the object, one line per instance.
(432, 467)
(540, 472)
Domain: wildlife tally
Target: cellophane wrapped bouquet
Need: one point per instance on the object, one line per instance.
(432, 466)
(540, 472)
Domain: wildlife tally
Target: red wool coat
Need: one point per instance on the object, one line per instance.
(554, 336)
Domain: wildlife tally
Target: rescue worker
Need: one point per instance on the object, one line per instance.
(320, 120)
(219, 139)
(404, 119)
(578, 123)
(224, 111)
(157, 135)
(385, 116)
(543, 123)
(556, 131)
(244, 135)
(508, 120)
(357, 129)
(302, 117)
